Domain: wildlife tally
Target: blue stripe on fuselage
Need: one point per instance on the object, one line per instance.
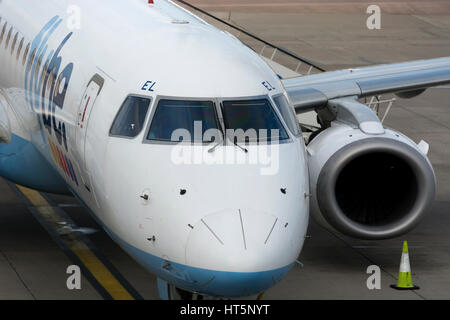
(208, 282)
(22, 163)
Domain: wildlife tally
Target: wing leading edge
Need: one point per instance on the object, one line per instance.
(406, 79)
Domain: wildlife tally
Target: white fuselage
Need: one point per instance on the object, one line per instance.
(232, 232)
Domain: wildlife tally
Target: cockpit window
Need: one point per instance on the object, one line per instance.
(288, 114)
(253, 120)
(131, 117)
(177, 121)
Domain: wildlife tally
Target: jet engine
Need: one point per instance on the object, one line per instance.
(367, 181)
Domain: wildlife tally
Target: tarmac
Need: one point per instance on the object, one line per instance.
(34, 266)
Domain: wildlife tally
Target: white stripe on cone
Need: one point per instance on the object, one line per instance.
(404, 264)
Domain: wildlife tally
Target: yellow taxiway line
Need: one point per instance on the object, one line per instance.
(73, 242)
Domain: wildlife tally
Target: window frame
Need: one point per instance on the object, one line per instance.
(14, 43)
(120, 109)
(277, 113)
(25, 53)
(219, 118)
(300, 132)
(19, 48)
(8, 37)
(158, 99)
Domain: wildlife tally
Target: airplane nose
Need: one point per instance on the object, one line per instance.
(241, 252)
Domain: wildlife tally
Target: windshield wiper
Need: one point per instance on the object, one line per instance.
(225, 135)
(220, 142)
(215, 147)
(234, 142)
(239, 146)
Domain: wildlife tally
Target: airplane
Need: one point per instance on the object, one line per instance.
(92, 112)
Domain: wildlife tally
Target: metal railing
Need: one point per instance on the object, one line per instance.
(376, 102)
(262, 47)
(282, 56)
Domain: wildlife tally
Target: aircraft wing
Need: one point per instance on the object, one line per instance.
(407, 80)
(5, 129)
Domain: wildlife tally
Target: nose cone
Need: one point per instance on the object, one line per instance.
(242, 252)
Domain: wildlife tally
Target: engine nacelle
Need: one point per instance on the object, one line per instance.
(369, 186)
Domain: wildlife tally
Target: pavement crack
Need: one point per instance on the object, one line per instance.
(17, 273)
(369, 259)
(420, 115)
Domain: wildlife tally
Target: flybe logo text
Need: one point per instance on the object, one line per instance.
(46, 81)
